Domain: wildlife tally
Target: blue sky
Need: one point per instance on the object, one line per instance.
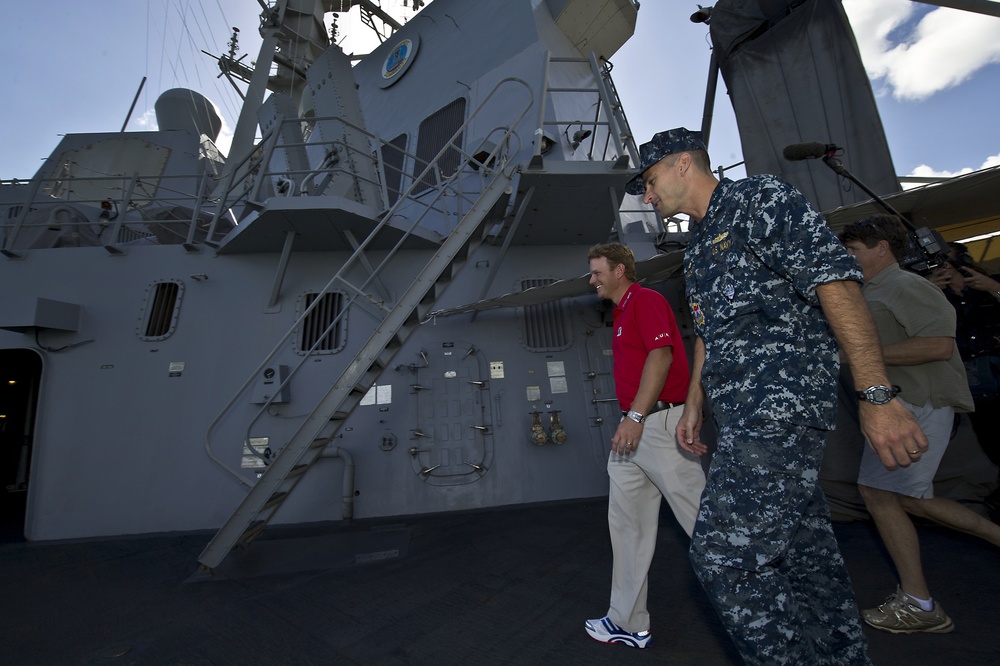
(936, 73)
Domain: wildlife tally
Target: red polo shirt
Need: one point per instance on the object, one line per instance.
(643, 321)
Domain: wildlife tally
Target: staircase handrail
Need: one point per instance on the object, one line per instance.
(496, 157)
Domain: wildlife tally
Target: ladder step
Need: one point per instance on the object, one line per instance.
(275, 500)
(319, 443)
(251, 532)
(298, 470)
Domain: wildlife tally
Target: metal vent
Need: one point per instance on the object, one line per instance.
(126, 235)
(162, 305)
(546, 326)
(435, 131)
(321, 331)
(393, 154)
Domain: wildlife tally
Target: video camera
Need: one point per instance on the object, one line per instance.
(927, 250)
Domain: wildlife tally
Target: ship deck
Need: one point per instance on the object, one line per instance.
(509, 586)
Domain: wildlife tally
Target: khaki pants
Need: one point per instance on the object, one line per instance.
(658, 468)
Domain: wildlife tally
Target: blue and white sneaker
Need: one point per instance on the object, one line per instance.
(604, 630)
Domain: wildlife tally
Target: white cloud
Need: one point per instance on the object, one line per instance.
(225, 140)
(147, 121)
(945, 47)
(927, 172)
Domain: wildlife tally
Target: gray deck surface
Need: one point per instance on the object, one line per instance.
(509, 586)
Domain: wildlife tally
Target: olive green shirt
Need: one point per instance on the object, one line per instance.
(905, 305)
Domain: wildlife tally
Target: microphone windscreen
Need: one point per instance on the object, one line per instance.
(804, 151)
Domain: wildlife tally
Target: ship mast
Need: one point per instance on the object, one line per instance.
(293, 35)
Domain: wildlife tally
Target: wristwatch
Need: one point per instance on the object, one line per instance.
(636, 416)
(878, 395)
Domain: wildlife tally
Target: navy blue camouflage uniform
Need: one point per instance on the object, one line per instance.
(763, 546)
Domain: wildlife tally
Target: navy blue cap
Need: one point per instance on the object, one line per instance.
(662, 144)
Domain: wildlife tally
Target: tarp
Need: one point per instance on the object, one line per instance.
(959, 207)
(962, 207)
(655, 268)
(794, 75)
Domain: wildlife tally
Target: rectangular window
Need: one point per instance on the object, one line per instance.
(162, 302)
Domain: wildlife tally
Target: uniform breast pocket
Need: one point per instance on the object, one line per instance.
(735, 284)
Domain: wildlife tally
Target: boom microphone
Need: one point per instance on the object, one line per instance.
(808, 151)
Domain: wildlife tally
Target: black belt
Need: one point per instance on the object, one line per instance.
(658, 407)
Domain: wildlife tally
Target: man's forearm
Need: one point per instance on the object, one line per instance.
(654, 376)
(890, 428)
(696, 392)
(851, 321)
(915, 351)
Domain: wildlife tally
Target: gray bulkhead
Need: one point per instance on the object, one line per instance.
(120, 437)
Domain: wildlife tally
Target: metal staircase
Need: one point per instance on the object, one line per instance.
(295, 458)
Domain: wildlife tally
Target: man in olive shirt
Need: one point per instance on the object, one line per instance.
(916, 328)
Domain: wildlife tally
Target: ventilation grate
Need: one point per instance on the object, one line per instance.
(321, 331)
(435, 131)
(546, 326)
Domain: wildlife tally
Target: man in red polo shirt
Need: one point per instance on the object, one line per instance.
(651, 384)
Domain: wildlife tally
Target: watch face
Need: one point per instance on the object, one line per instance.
(879, 395)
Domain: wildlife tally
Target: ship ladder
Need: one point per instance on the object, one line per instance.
(305, 447)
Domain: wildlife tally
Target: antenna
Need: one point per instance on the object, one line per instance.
(134, 100)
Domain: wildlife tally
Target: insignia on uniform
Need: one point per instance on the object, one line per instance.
(721, 243)
(729, 290)
(697, 314)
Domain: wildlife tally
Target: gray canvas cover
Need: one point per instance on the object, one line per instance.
(794, 75)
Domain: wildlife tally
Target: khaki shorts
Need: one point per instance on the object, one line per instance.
(917, 480)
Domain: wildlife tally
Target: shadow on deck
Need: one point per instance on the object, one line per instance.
(510, 586)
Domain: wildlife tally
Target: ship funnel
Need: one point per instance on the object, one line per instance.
(183, 109)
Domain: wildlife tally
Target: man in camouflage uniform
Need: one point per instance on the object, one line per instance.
(770, 287)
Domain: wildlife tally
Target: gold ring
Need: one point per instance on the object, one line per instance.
(913, 453)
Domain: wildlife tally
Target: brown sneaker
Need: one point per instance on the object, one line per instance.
(899, 616)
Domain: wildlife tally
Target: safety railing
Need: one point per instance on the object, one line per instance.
(476, 167)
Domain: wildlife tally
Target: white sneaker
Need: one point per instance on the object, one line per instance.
(604, 630)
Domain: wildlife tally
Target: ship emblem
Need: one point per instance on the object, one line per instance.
(395, 60)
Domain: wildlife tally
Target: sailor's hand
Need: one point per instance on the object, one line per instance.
(626, 438)
(893, 433)
(688, 429)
